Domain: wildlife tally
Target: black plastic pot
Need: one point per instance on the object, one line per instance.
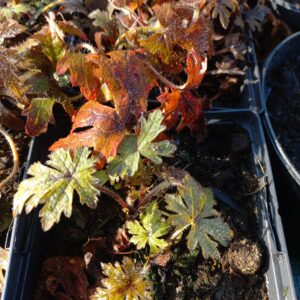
(288, 47)
(288, 12)
(26, 242)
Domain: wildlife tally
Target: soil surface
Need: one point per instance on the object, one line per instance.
(6, 163)
(284, 107)
(222, 162)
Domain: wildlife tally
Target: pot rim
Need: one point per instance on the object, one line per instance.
(265, 95)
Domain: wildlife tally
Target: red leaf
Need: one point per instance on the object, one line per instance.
(83, 74)
(39, 114)
(105, 135)
(129, 81)
(182, 110)
(178, 28)
(195, 70)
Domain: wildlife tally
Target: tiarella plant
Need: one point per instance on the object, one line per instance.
(120, 141)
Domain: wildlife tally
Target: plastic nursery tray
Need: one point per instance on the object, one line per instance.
(278, 276)
(250, 98)
(26, 242)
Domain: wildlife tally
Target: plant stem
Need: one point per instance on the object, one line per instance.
(168, 82)
(51, 5)
(13, 147)
(155, 191)
(76, 98)
(113, 195)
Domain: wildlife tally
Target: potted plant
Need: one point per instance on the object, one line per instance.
(131, 193)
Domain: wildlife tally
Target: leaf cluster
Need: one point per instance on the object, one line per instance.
(169, 51)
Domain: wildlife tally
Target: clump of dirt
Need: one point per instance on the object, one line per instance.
(284, 107)
(244, 257)
(6, 164)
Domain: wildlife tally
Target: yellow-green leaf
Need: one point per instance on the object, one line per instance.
(150, 230)
(127, 161)
(193, 208)
(124, 281)
(54, 184)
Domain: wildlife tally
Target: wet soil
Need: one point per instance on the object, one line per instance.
(223, 162)
(6, 163)
(284, 107)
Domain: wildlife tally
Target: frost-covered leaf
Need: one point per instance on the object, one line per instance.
(10, 29)
(223, 9)
(150, 230)
(127, 161)
(9, 81)
(54, 184)
(39, 115)
(124, 281)
(193, 208)
(104, 130)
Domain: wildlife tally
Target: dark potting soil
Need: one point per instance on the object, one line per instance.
(6, 164)
(222, 162)
(284, 107)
